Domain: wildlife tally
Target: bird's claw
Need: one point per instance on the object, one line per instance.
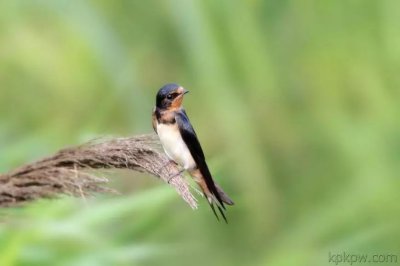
(175, 175)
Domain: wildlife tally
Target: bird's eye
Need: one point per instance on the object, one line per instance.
(169, 96)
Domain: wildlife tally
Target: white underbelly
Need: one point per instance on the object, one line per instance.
(174, 146)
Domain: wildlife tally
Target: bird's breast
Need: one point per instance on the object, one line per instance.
(174, 146)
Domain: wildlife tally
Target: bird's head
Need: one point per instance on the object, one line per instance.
(170, 96)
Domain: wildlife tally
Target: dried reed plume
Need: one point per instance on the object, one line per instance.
(71, 171)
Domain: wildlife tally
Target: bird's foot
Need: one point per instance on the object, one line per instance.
(175, 175)
(167, 164)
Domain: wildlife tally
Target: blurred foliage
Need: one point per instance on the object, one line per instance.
(295, 102)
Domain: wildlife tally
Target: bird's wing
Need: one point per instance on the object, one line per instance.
(154, 120)
(190, 138)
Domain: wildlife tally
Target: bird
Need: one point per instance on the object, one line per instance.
(182, 147)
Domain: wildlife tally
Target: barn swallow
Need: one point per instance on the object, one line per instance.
(182, 146)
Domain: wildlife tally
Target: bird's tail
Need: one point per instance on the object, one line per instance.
(213, 193)
(224, 197)
(218, 199)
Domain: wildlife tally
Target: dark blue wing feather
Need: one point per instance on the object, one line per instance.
(190, 138)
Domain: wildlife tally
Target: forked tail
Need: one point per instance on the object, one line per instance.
(214, 194)
(214, 200)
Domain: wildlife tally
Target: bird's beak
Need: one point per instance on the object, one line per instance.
(182, 91)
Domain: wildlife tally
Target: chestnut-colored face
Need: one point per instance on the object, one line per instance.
(170, 96)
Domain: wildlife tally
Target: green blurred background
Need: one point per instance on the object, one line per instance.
(296, 104)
